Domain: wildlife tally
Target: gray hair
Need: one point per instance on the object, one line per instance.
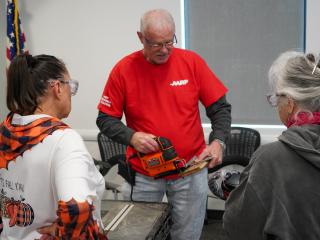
(156, 19)
(292, 74)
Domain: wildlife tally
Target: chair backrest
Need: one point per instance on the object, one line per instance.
(111, 152)
(241, 144)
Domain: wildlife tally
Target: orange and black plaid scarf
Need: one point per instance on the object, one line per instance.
(16, 139)
(75, 221)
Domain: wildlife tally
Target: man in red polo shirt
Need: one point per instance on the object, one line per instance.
(158, 89)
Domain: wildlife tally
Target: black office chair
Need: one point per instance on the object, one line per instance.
(240, 145)
(111, 153)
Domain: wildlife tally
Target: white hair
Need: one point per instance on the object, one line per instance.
(156, 19)
(291, 75)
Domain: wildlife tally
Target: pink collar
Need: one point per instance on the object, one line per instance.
(304, 118)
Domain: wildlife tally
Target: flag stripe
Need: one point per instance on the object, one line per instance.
(15, 36)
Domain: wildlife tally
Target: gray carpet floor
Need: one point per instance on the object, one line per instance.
(212, 229)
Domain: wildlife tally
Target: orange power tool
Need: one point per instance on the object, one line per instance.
(164, 162)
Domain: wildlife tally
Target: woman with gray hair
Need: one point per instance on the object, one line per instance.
(278, 195)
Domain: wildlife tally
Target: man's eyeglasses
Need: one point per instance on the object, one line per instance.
(168, 44)
(273, 99)
(74, 85)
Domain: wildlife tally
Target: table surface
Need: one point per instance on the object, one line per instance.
(142, 222)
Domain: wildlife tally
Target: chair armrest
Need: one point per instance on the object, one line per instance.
(112, 186)
(101, 163)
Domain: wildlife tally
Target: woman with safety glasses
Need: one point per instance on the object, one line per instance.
(50, 187)
(278, 196)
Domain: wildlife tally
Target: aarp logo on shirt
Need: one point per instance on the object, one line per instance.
(179, 83)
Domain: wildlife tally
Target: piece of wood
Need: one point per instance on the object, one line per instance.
(194, 168)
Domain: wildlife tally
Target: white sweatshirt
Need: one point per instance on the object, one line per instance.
(58, 168)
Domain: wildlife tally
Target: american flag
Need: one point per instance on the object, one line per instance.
(16, 41)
